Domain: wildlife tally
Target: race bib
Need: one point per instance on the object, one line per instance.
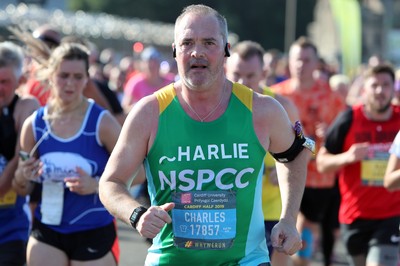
(52, 202)
(373, 167)
(204, 219)
(8, 199)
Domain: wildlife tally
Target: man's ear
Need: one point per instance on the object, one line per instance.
(173, 50)
(227, 47)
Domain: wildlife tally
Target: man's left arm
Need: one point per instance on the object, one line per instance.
(292, 177)
(287, 145)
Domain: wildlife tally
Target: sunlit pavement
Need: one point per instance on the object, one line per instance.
(134, 249)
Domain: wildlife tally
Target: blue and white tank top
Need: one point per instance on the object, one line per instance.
(60, 158)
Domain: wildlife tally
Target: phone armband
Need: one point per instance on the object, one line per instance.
(300, 142)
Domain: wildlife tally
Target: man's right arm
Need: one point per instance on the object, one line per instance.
(125, 162)
(332, 156)
(328, 162)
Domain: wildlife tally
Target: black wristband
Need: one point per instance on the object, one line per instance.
(136, 214)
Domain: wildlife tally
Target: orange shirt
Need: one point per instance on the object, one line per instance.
(36, 88)
(318, 104)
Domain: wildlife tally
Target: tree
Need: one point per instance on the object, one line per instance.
(257, 20)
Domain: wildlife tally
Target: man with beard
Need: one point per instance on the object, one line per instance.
(318, 107)
(203, 140)
(357, 145)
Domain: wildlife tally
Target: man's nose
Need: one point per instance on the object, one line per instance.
(198, 51)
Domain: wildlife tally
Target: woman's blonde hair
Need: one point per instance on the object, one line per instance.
(65, 51)
(50, 59)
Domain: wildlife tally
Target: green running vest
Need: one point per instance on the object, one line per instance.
(213, 173)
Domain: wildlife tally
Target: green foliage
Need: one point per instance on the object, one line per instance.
(258, 20)
(88, 5)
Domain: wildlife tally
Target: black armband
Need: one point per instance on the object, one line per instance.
(300, 142)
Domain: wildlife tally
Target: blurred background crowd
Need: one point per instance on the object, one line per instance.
(131, 55)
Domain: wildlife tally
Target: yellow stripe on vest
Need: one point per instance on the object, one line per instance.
(244, 94)
(165, 96)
